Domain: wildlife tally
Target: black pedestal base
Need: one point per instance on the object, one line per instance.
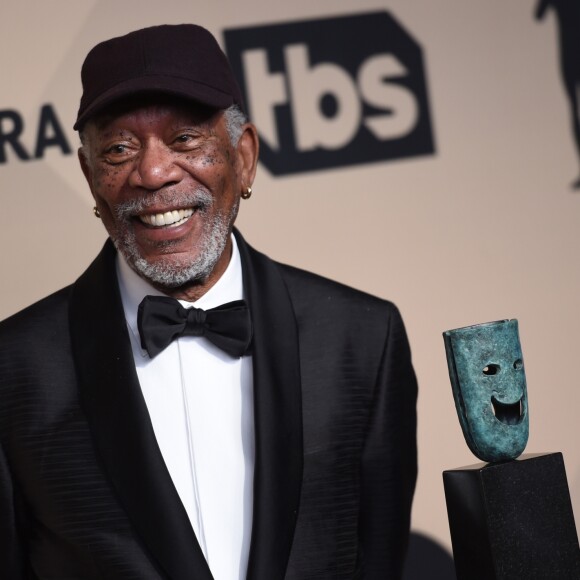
(512, 520)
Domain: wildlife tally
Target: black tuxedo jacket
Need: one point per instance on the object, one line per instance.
(85, 493)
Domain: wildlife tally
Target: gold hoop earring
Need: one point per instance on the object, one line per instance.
(247, 194)
(97, 212)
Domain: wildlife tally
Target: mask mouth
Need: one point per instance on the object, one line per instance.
(507, 413)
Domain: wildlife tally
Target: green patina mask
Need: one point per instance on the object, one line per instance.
(489, 387)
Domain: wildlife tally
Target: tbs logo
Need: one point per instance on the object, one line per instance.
(333, 92)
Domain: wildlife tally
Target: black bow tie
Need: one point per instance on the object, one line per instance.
(161, 320)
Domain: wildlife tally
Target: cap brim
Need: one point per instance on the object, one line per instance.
(168, 85)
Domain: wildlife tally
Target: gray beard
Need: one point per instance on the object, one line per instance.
(172, 273)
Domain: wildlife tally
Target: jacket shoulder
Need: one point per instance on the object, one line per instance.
(309, 288)
(52, 311)
(47, 316)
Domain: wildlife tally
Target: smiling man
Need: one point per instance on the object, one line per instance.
(189, 408)
(167, 180)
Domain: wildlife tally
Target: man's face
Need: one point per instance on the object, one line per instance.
(167, 182)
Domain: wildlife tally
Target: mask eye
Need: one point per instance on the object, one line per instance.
(518, 364)
(490, 370)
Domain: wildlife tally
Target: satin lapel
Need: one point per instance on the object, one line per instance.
(278, 416)
(112, 400)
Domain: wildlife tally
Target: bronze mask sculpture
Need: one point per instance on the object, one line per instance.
(489, 387)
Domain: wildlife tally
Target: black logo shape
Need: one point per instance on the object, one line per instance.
(568, 15)
(49, 133)
(333, 92)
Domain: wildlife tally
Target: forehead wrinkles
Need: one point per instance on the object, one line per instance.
(177, 115)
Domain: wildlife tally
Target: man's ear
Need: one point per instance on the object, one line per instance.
(85, 167)
(247, 150)
(84, 163)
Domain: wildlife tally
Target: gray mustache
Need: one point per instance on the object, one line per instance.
(199, 199)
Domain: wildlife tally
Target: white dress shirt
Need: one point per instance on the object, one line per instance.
(200, 401)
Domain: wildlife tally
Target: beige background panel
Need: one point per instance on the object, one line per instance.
(485, 229)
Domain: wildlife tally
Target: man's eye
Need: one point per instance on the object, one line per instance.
(185, 138)
(117, 149)
(118, 153)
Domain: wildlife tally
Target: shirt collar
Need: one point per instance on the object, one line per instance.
(133, 288)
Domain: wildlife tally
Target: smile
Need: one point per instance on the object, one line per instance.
(169, 218)
(507, 413)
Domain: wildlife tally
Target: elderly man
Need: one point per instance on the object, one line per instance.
(188, 408)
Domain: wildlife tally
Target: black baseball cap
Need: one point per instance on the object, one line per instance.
(182, 60)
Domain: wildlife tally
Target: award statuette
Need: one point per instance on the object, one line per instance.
(510, 518)
(489, 387)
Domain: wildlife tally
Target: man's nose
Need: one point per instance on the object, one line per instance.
(155, 167)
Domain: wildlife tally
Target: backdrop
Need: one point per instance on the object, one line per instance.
(421, 151)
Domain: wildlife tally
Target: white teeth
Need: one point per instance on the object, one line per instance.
(169, 218)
